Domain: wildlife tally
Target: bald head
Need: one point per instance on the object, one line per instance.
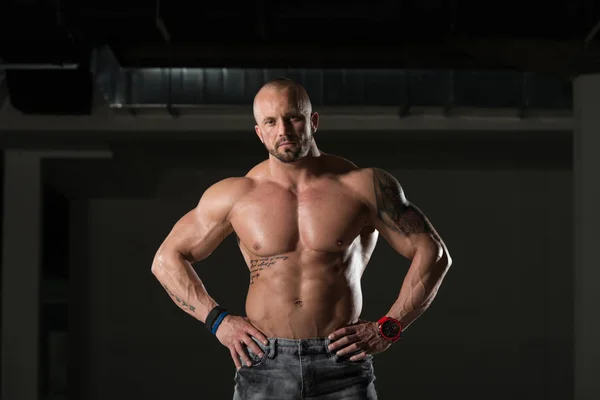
(281, 87)
(285, 122)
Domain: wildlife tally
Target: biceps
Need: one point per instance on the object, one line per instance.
(204, 243)
(404, 226)
(407, 230)
(410, 245)
(404, 218)
(195, 239)
(392, 207)
(397, 241)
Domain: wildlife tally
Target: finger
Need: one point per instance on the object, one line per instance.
(346, 340)
(341, 333)
(349, 349)
(258, 335)
(242, 353)
(253, 346)
(236, 359)
(358, 356)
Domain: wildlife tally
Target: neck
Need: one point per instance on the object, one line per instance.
(298, 172)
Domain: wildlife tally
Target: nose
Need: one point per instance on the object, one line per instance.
(283, 128)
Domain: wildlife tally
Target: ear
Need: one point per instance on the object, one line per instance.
(314, 121)
(257, 130)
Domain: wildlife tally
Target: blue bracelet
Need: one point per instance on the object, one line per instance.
(218, 321)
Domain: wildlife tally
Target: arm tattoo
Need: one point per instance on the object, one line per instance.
(259, 264)
(394, 209)
(181, 302)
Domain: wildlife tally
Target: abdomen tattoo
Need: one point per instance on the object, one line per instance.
(260, 264)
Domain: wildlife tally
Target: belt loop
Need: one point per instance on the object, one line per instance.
(272, 348)
(327, 343)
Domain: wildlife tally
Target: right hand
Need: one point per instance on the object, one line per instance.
(235, 332)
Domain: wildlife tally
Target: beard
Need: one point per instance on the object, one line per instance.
(294, 152)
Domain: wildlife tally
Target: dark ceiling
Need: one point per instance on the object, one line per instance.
(522, 35)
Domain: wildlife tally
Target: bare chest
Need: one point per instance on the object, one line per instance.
(273, 221)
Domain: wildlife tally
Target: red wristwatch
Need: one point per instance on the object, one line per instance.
(390, 328)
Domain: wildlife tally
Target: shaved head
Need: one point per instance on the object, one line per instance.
(285, 122)
(294, 90)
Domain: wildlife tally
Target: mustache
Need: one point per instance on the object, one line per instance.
(290, 140)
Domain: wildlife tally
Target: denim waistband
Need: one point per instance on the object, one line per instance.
(317, 345)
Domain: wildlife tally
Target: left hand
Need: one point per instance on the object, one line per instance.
(364, 335)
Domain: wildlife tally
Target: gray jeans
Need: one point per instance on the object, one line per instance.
(301, 370)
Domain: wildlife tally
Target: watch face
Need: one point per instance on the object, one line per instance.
(390, 329)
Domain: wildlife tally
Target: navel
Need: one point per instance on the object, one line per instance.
(299, 303)
(339, 242)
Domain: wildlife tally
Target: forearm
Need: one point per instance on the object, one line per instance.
(420, 286)
(179, 279)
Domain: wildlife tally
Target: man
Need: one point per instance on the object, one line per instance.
(307, 223)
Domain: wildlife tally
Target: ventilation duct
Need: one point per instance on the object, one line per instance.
(178, 90)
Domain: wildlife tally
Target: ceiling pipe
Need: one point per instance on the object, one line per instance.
(180, 89)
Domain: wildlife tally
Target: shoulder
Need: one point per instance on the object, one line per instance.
(373, 177)
(383, 179)
(218, 200)
(362, 176)
(348, 172)
(372, 183)
(228, 190)
(338, 165)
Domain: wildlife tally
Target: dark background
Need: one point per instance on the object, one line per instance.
(502, 324)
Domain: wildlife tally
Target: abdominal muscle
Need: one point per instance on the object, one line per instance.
(294, 300)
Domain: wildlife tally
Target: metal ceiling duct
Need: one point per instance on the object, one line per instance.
(181, 89)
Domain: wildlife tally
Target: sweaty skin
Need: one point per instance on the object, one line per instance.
(306, 223)
(306, 249)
